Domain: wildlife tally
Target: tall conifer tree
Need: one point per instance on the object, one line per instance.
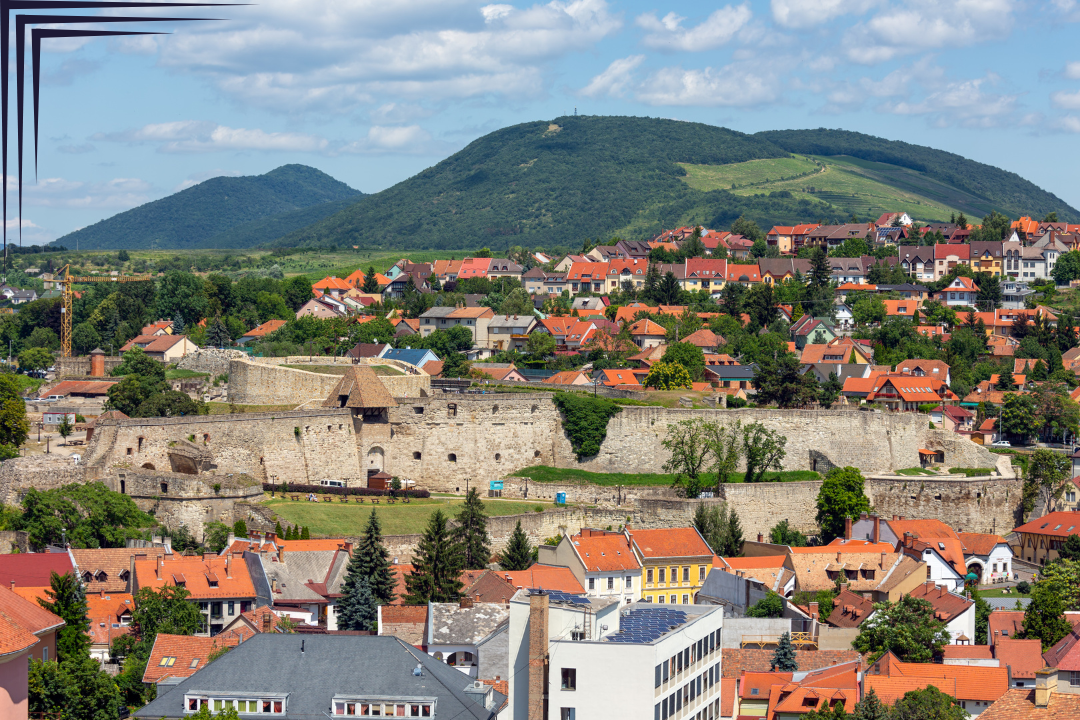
(437, 565)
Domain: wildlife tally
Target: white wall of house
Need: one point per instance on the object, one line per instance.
(940, 571)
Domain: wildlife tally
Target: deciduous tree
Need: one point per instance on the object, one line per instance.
(763, 450)
(67, 599)
(841, 496)
(908, 628)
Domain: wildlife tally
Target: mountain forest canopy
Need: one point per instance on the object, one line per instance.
(258, 208)
(550, 184)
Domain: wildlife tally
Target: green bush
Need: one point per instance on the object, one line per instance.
(586, 420)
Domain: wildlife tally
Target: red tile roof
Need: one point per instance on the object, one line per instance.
(32, 569)
(963, 682)
(850, 610)
(548, 577)
(331, 283)
(196, 573)
(760, 682)
(1058, 524)
(80, 387)
(20, 620)
(604, 553)
(977, 652)
(980, 543)
(108, 567)
(265, 329)
(736, 661)
(1022, 657)
(105, 611)
(1019, 704)
(416, 614)
(1065, 655)
(181, 656)
(670, 543)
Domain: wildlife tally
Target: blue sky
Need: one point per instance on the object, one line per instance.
(372, 91)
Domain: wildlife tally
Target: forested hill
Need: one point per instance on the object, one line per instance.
(210, 209)
(555, 183)
(1008, 191)
(548, 183)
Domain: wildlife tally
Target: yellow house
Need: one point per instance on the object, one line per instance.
(674, 563)
(986, 257)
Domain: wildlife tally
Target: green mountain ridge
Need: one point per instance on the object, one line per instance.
(221, 212)
(551, 184)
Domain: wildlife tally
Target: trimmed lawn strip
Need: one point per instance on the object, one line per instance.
(221, 408)
(545, 474)
(180, 374)
(338, 519)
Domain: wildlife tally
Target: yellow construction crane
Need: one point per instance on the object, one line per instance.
(65, 280)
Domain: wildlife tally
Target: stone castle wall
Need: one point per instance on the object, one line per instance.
(180, 500)
(264, 384)
(439, 441)
(80, 366)
(293, 446)
(212, 361)
(43, 472)
(263, 381)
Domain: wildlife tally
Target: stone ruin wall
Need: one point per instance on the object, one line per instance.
(491, 436)
(212, 361)
(263, 381)
(294, 446)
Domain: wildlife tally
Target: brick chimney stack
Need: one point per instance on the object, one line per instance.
(847, 528)
(1045, 684)
(875, 532)
(538, 656)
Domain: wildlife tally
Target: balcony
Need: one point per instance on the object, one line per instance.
(801, 641)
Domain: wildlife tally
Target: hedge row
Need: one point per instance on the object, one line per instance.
(322, 490)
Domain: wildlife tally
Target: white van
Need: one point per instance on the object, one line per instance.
(332, 483)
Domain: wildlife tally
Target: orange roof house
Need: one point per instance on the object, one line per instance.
(891, 679)
(175, 657)
(223, 583)
(769, 570)
(25, 627)
(548, 577)
(613, 378)
(261, 331)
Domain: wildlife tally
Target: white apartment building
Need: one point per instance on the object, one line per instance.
(572, 658)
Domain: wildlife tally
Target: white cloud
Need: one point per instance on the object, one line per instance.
(76, 149)
(918, 25)
(965, 102)
(1066, 100)
(737, 84)
(1072, 70)
(615, 79)
(1068, 123)
(187, 136)
(806, 13)
(13, 224)
(322, 54)
(383, 138)
(119, 193)
(719, 28)
(395, 112)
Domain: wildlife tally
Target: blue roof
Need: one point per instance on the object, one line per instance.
(413, 357)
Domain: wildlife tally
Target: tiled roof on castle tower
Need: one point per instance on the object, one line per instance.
(359, 387)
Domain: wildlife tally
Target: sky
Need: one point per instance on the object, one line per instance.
(374, 91)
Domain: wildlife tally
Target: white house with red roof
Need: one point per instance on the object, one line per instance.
(961, 292)
(602, 561)
(1040, 539)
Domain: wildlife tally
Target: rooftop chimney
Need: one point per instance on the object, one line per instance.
(1045, 685)
(538, 656)
(847, 528)
(814, 610)
(760, 537)
(875, 530)
(466, 602)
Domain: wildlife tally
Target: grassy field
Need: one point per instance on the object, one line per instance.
(337, 519)
(220, 408)
(915, 471)
(321, 369)
(179, 374)
(1000, 593)
(862, 187)
(543, 473)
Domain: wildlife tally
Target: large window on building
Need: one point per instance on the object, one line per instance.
(569, 678)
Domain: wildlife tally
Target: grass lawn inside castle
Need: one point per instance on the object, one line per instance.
(337, 519)
(546, 474)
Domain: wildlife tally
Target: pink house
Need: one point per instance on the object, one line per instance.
(27, 631)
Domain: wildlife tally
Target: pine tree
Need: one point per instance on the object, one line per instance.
(240, 529)
(218, 334)
(519, 552)
(371, 560)
(371, 283)
(870, 708)
(356, 609)
(278, 531)
(437, 565)
(305, 534)
(734, 534)
(784, 657)
(471, 532)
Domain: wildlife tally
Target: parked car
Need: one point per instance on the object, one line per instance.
(1002, 443)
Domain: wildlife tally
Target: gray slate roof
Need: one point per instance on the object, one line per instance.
(330, 664)
(451, 624)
